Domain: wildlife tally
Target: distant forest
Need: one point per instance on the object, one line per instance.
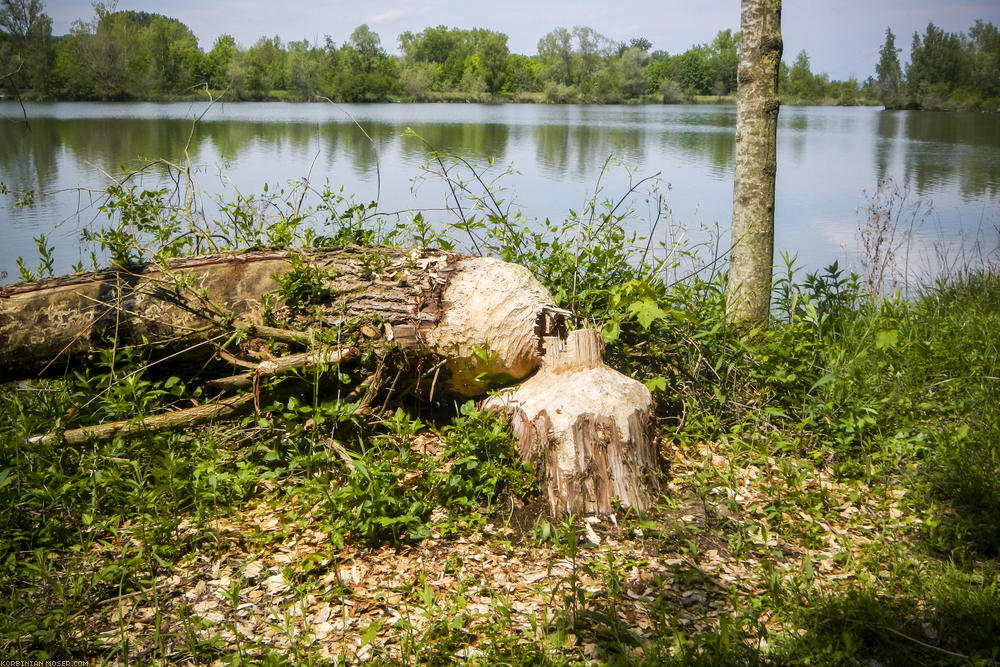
(130, 55)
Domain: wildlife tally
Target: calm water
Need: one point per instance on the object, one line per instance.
(828, 158)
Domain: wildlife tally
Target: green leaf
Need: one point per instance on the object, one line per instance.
(656, 384)
(823, 381)
(611, 331)
(887, 338)
(371, 631)
(646, 312)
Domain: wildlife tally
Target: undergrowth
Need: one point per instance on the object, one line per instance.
(849, 413)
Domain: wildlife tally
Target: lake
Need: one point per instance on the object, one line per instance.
(830, 160)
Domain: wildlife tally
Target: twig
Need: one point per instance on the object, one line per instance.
(378, 169)
(924, 644)
(286, 364)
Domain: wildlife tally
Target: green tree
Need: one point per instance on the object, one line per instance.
(175, 60)
(802, 84)
(365, 49)
(748, 290)
(889, 73)
(633, 72)
(108, 57)
(724, 58)
(215, 67)
(694, 71)
(447, 49)
(304, 65)
(523, 73)
(266, 67)
(26, 49)
(659, 70)
(555, 50)
(640, 43)
(417, 78)
(984, 40)
(939, 63)
(365, 72)
(846, 92)
(592, 50)
(493, 58)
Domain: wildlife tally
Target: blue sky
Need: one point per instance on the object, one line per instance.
(842, 37)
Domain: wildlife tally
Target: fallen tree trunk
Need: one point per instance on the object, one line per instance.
(466, 323)
(468, 318)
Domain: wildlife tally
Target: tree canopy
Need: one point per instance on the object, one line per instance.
(124, 54)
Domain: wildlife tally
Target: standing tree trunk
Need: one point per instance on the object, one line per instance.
(748, 292)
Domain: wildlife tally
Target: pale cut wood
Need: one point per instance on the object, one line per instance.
(586, 428)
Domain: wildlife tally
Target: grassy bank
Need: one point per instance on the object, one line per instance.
(832, 489)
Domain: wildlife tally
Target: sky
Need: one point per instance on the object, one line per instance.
(842, 37)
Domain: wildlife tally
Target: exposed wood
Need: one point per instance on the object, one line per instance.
(431, 304)
(586, 428)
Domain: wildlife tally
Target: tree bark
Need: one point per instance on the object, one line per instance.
(587, 429)
(470, 318)
(748, 292)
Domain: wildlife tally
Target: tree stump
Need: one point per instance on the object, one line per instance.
(586, 428)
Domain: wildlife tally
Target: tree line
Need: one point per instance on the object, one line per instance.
(129, 55)
(946, 71)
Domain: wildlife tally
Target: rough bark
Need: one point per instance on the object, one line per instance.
(586, 428)
(441, 307)
(748, 293)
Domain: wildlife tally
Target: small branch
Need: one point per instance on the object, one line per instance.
(284, 365)
(223, 409)
(924, 644)
(287, 336)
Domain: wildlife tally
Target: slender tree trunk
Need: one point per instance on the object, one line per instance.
(748, 293)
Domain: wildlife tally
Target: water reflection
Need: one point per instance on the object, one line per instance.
(826, 156)
(717, 146)
(887, 131)
(793, 124)
(946, 148)
(28, 157)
